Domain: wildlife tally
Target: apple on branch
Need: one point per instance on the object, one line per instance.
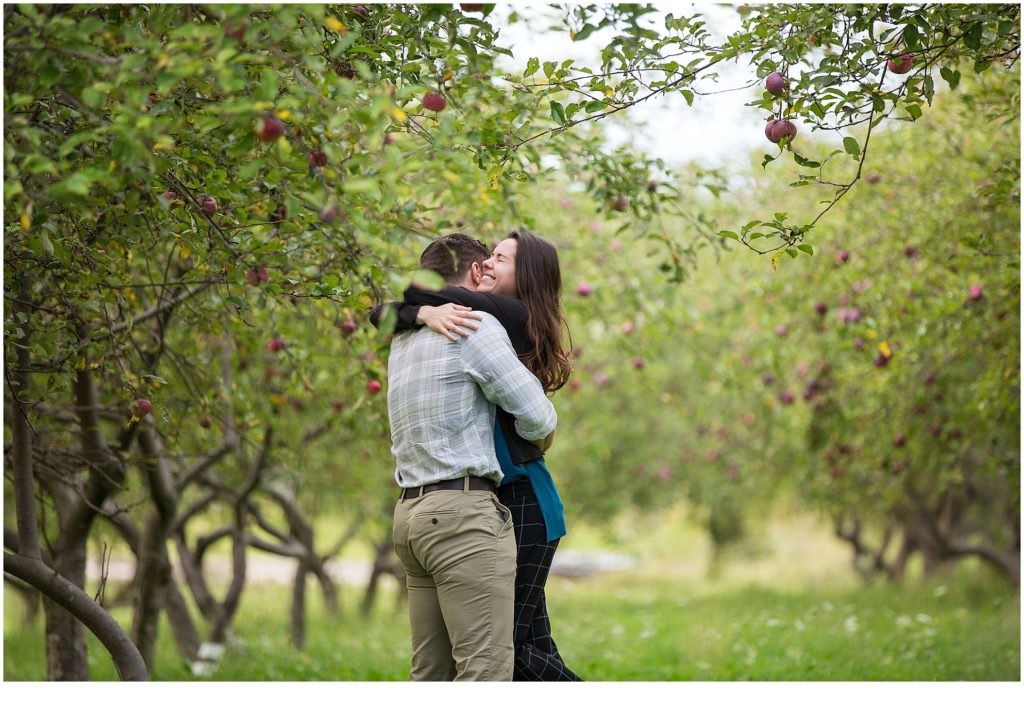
(434, 101)
(902, 65)
(776, 83)
(269, 128)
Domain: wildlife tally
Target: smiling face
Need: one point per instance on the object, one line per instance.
(499, 274)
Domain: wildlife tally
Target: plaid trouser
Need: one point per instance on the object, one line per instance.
(536, 655)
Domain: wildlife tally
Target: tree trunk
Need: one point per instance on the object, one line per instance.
(186, 635)
(154, 565)
(66, 654)
(298, 629)
(382, 564)
(60, 591)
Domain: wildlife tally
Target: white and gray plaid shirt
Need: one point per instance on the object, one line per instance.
(441, 397)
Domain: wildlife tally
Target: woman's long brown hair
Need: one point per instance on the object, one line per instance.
(539, 283)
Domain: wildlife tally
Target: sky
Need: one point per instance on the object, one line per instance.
(718, 130)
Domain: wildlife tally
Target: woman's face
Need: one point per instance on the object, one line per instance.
(500, 270)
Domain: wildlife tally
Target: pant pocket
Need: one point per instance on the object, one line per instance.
(504, 514)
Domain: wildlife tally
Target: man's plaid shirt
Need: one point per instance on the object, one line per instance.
(441, 397)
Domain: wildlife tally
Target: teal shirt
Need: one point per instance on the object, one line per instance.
(540, 480)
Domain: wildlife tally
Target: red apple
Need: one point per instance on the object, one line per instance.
(638, 363)
(276, 345)
(472, 7)
(208, 204)
(786, 397)
(904, 64)
(434, 101)
(337, 404)
(142, 407)
(205, 422)
(881, 360)
(584, 289)
(269, 128)
(873, 178)
(620, 203)
(328, 213)
(776, 83)
(390, 138)
(348, 327)
(252, 277)
(975, 293)
(236, 31)
(373, 386)
(344, 69)
(781, 330)
(170, 196)
(780, 129)
(627, 328)
(318, 158)
(361, 10)
(899, 441)
(575, 384)
(262, 272)
(821, 308)
(842, 256)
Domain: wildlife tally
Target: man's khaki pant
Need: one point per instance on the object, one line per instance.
(458, 550)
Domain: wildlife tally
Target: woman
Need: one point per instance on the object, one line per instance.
(520, 287)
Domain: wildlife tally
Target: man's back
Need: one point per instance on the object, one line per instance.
(440, 407)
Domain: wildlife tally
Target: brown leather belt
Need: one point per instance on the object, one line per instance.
(475, 484)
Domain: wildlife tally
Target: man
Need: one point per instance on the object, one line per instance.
(452, 535)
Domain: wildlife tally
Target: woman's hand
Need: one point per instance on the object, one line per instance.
(449, 319)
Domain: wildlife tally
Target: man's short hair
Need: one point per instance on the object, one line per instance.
(452, 256)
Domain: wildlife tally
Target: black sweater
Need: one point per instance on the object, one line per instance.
(509, 311)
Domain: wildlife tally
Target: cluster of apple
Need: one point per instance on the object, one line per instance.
(783, 130)
(778, 130)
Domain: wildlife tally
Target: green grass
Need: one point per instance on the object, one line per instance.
(775, 614)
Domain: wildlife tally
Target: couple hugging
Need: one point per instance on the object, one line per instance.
(478, 518)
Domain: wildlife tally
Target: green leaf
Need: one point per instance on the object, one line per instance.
(237, 302)
(531, 67)
(852, 146)
(558, 113)
(914, 111)
(584, 32)
(549, 68)
(595, 106)
(77, 183)
(910, 36)
(427, 279)
(805, 162)
(972, 37)
(951, 76)
(688, 96)
(806, 248)
(729, 235)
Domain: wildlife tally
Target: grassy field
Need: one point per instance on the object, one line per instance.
(787, 609)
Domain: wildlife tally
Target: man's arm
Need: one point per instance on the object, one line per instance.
(489, 359)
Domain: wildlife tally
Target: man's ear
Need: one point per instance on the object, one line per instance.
(476, 272)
